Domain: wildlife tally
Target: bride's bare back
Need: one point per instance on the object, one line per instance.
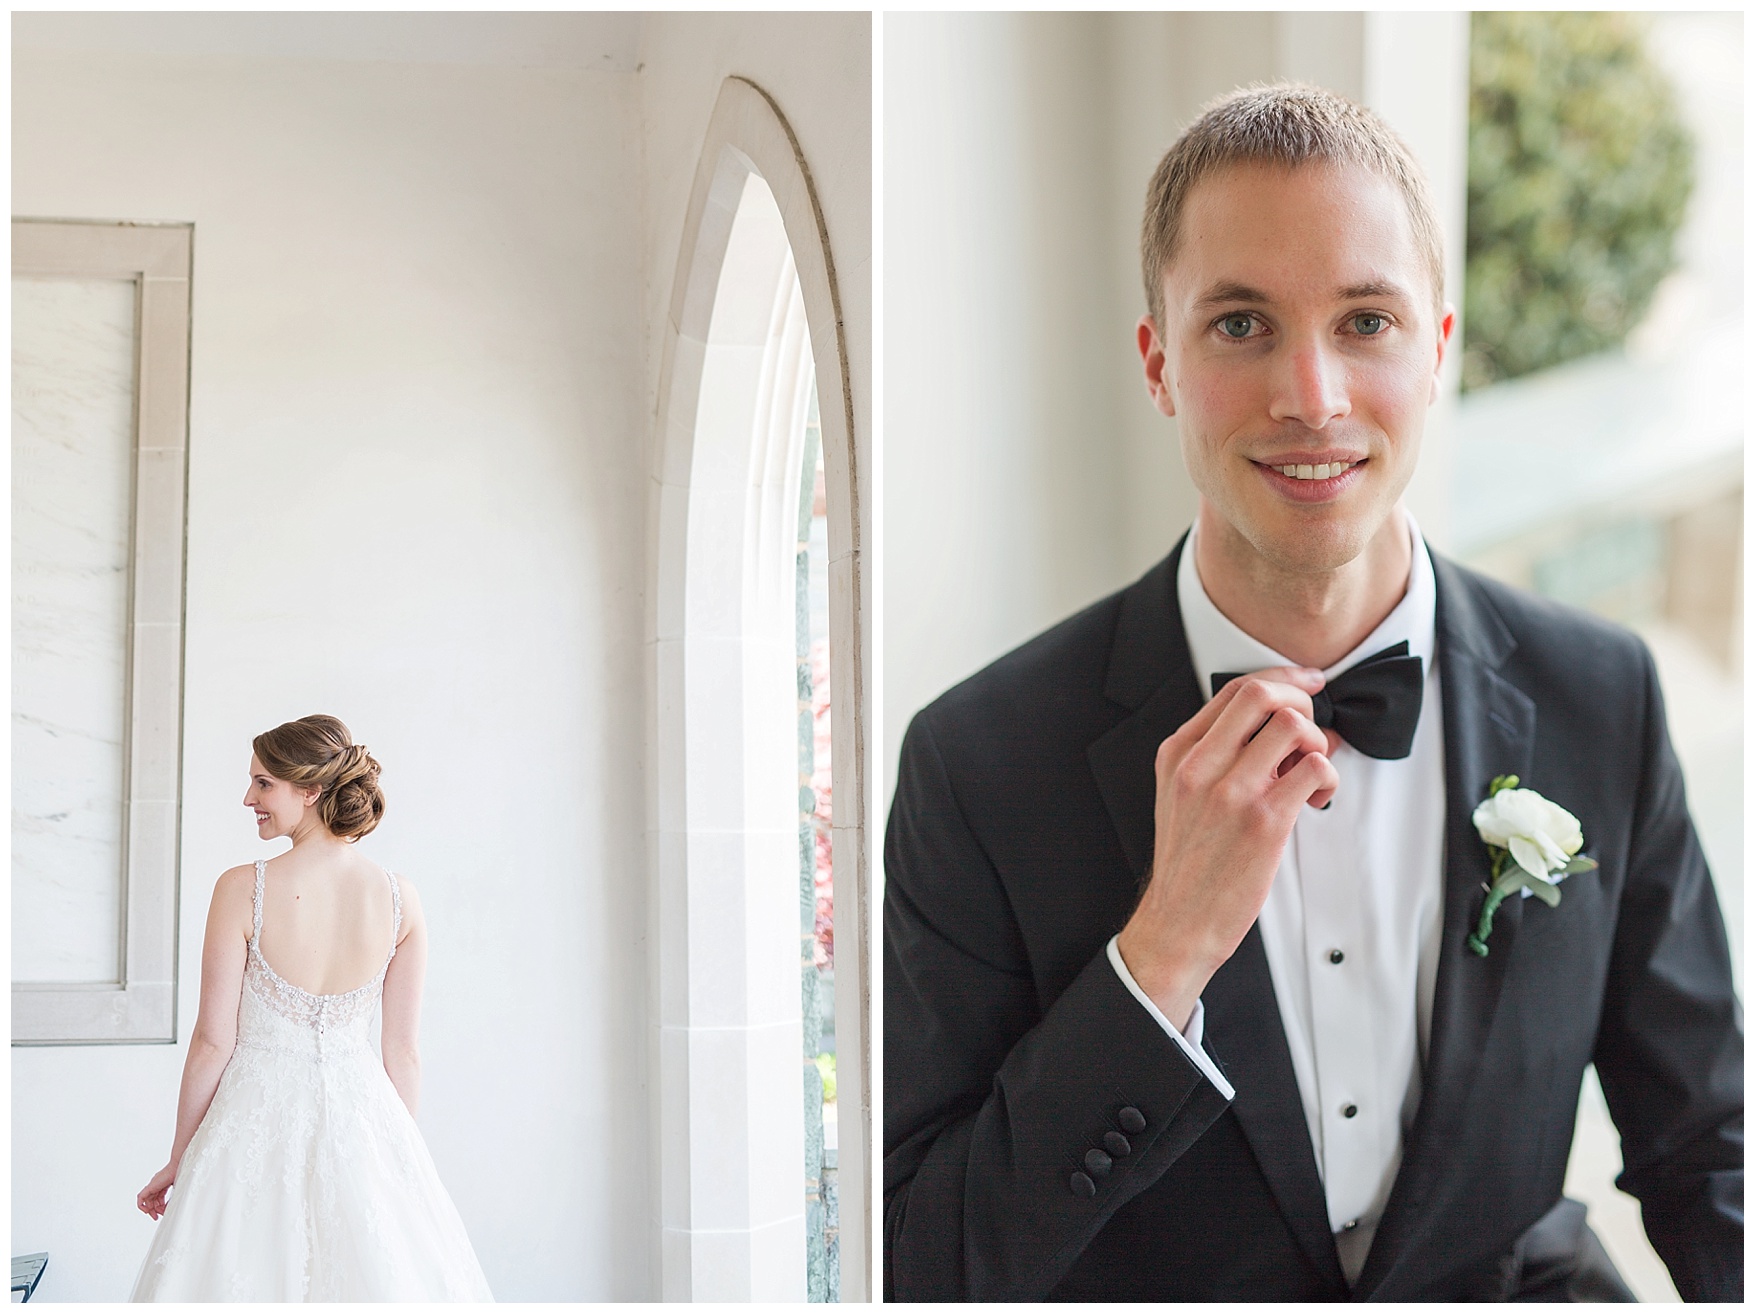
(326, 920)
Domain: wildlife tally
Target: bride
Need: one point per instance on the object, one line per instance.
(299, 1172)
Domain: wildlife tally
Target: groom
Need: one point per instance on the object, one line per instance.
(1179, 999)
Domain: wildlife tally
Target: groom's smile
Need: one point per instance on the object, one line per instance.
(1311, 477)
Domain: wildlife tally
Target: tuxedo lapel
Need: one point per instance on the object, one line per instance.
(1151, 673)
(1489, 730)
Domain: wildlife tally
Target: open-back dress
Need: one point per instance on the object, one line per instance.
(308, 1179)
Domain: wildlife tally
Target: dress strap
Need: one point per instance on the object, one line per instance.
(256, 915)
(396, 907)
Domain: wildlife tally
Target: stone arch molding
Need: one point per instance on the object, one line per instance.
(726, 1173)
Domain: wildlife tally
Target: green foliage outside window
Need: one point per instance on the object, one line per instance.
(1579, 172)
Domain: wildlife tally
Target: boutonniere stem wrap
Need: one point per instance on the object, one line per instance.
(1534, 845)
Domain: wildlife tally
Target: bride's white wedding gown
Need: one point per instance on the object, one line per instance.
(308, 1179)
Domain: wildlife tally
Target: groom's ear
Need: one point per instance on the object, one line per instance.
(1153, 358)
(1446, 327)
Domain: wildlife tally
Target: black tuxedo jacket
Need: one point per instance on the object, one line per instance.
(1017, 842)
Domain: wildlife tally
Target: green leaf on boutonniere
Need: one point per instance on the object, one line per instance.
(1533, 844)
(1543, 890)
(1510, 877)
(1515, 878)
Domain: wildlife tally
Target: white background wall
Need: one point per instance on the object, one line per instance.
(429, 253)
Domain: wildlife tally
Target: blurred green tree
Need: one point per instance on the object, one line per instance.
(1579, 172)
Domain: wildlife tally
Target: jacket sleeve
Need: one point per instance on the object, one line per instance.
(993, 1096)
(1670, 1047)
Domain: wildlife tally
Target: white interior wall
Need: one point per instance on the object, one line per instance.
(414, 474)
(1026, 472)
(817, 67)
(1007, 341)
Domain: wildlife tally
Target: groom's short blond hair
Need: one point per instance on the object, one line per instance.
(1286, 124)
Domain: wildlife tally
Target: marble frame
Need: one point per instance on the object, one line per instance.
(141, 1008)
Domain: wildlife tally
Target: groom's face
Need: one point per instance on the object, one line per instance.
(1299, 352)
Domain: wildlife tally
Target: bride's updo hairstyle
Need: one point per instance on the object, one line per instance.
(317, 751)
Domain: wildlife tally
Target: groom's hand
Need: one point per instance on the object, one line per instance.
(1230, 784)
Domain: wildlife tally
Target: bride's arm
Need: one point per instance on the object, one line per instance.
(402, 987)
(216, 1025)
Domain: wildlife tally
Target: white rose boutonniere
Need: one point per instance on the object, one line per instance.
(1534, 845)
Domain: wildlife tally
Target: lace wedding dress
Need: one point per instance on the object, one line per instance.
(308, 1179)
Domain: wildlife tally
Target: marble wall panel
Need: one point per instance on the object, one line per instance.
(73, 397)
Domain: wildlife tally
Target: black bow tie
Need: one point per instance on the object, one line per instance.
(1374, 706)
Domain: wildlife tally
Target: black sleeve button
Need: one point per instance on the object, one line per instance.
(1082, 1185)
(1117, 1144)
(1350, 1111)
(1132, 1121)
(1097, 1163)
(1335, 955)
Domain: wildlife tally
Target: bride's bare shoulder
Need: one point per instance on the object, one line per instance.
(411, 910)
(236, 881)
(233, 896)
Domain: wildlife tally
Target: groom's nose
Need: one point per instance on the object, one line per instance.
(1308, 384)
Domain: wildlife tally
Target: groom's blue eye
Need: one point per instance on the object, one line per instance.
(1368, 325)
(1236, 326)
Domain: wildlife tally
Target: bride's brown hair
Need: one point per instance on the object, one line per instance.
(318, 752)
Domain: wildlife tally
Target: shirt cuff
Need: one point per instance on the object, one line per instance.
(1197, 1021)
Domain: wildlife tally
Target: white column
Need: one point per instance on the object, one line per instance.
(1417, 78)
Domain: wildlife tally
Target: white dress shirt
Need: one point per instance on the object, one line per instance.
(1352, 923)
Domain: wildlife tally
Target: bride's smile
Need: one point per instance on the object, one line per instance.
(280, 807)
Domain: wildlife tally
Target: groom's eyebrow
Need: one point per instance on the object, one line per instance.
(1226, 292)
(1229, 292)
(1372, 288)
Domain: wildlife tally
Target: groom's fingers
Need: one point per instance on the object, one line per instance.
(1312, 779)
(1249, 703)
(1289, 733)
(1238, 726)
(1193, 730)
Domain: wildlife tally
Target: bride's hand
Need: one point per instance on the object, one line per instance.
(152, 1196)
